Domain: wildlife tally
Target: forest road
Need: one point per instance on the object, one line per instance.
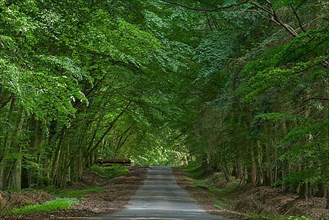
(160, 198)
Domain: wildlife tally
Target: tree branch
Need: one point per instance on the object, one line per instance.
(218, 8)
(316, 98)
(297, 17)
(4, 103)
(275, 18)
(110, 126)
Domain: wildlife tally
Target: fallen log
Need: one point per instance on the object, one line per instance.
(111, 162)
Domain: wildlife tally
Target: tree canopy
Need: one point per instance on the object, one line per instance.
(235, 86)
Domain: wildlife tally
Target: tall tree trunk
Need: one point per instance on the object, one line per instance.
(15, 171)
(253, 167)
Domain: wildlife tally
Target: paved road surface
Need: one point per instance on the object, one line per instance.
(160, 198)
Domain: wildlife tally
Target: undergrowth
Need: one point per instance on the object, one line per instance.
(271, 217)
(196, 171)
(222, 191)
(111, 171)
(65, 198)
(77, 193)
(52, 205)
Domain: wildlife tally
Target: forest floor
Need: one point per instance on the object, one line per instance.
(228, 199)
(237, 201)
(114, 195)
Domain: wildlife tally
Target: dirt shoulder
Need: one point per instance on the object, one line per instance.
(115, 194)
(246, 202)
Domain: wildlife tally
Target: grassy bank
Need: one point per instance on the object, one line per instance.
(50, 198)
(52, 205)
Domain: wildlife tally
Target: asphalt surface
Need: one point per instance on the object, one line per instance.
(160, 198)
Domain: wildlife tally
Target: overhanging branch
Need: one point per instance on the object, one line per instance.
(297, 17)
(218, 8)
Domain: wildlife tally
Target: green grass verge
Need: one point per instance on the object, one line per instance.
(77, 193)
(53, 205)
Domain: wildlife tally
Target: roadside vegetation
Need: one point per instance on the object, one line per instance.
(52, 205)
(77, 193)
(51, 198)
(238, 200)
(110, 171)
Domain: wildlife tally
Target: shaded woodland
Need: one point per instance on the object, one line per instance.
(239, 87)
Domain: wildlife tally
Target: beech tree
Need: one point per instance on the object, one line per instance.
(70, 72)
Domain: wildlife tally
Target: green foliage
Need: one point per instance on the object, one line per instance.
(312, 176)
(111, 171)
(219, 204)
(196, 171)
(214, 54)
(275, 116)
(282, 66)
(53, 205)
(228, 89)
(282, 3)
(304, 132)
(70, 68)
(261, 107)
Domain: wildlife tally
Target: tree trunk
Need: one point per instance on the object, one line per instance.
(15, 172)
(253, 168)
